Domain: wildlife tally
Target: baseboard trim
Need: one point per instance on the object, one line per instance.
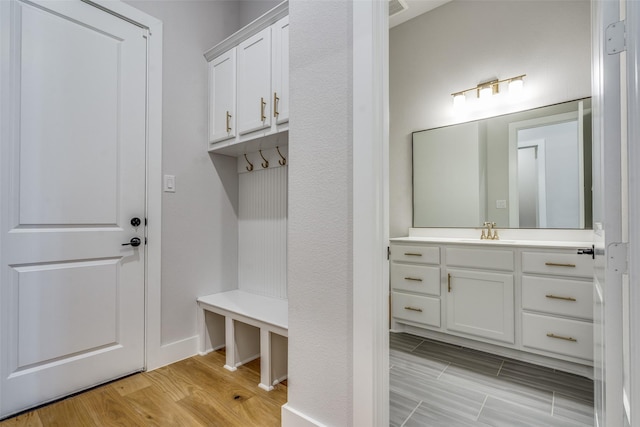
(174, 352)
(294, 418)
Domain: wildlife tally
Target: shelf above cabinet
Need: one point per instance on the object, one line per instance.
(237, 149)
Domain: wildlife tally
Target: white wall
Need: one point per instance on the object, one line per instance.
(463, 43)
(320, 220)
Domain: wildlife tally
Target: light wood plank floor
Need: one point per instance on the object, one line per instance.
(437, 384)
(194, 392)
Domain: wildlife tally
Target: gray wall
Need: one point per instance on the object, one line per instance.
(320, 218)
(463, 43)
(250, 10)
(199, 220)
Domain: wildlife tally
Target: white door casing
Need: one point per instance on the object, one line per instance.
(72, 160)
(608, 216)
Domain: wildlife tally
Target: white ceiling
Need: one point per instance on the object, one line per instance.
(416, 7)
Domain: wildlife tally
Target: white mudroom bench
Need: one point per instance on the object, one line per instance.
(249, 326)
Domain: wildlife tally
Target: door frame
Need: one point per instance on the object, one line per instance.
(633, 139)
(370, 40)
(153, 357)
(370, 307)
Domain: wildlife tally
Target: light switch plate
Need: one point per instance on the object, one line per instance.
(169, 183)
(501, 204)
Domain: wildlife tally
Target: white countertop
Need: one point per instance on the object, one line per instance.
(505, 242)
(541, 238)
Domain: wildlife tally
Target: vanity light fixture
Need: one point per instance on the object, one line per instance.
(487, 89)
(459, 100)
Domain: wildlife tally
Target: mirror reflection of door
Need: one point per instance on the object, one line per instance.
(531, 192)
(550, 173)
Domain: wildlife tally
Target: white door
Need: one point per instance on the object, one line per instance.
(72, 153)
(254, 82)
(222, 97)
(609, 213)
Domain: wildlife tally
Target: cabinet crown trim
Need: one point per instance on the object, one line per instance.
(264, 21)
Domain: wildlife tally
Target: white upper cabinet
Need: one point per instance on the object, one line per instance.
(222, 97)
(249, 86)
(280, 70)
(254, 82)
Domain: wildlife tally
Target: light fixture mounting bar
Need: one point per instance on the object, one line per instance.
(494, 84)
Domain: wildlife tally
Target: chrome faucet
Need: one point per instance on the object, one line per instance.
(489, 236)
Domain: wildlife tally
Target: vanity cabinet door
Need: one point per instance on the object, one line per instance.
(222, 97)
(481, 303)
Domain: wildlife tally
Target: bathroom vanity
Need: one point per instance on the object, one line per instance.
(525, 299)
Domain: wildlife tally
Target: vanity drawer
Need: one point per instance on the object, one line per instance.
(564, 297)
(416, 278)
(414, 308)
(561, 336)
(415, 253)
(557, 263)
(491, 259)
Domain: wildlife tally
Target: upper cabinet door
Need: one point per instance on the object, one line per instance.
(281, 70)
(254, 82)
(222, 97)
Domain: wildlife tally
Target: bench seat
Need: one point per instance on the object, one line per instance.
(268, 314)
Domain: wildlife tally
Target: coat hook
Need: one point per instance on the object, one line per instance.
(282, 160)
(265, 164)
(250, 167)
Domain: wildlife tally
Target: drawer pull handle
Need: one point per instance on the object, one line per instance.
(560, 337)
(412, 254)
(555, 264)
(562, 298)
(415, 279)
(448, 282)
(413, 309)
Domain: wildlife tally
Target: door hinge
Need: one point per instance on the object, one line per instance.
(617, 257)
(614, 36)
(388, 252)
(145, 240)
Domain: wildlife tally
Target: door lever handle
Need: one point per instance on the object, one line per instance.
(135, 241)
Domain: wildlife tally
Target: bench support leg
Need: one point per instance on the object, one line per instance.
(203, 342)
(266, 380)
(230, 338)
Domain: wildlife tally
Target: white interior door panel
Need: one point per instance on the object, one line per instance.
(72, 165)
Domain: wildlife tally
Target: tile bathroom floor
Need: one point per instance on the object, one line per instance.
(438, 384)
